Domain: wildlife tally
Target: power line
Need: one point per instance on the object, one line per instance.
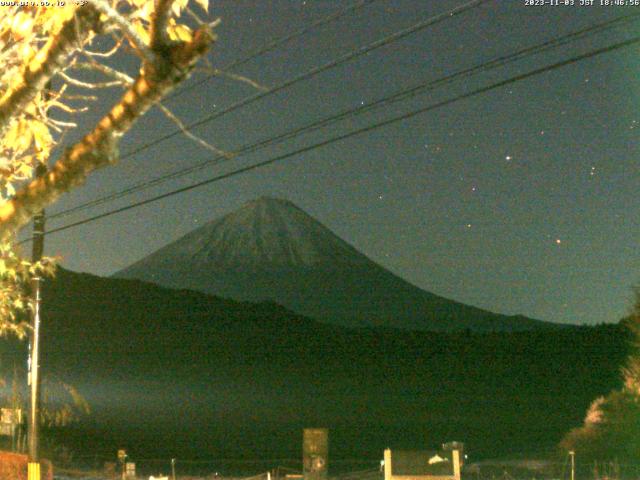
(398, 96)
(315, 71)
(368, 128)
(274, 44)
(394, 37)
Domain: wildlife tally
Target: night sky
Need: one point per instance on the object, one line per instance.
(519, 200)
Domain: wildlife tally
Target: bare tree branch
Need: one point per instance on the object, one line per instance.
(105, 70)
(103, 7)
(99, 148)
(195, 17)
(86, 98)
(90, 85)
(159, 22)
(233, 76)
(67, 108)
(49, 61)
(171, 116)
(56, 124)
(105, 54)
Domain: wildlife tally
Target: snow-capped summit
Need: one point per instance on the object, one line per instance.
(270, 249)
(264, 233)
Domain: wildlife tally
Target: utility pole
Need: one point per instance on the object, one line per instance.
(34, 375)
(573, 464)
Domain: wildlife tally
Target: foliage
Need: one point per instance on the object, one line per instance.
(55, 62)
(631, 371)
(15, 301)
(62, 404)
(611, 429)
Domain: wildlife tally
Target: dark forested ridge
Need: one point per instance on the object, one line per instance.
(230, 378)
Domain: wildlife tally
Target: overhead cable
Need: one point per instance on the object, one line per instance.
(368, 128)
(403, 94)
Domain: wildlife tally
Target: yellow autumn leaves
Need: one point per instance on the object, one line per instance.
(27, 142)
(27, 35)
(25, 22)
(24, 32)
(143, 11)
(27, 139)
(15, 274)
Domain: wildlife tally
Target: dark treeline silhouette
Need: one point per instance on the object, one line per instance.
(610, 433)
(179, 373)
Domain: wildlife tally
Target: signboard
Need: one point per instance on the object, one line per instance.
(421, 465)
(10, 416)
(315, 453)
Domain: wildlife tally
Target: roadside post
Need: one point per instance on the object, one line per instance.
(122, 458)
(33, 467)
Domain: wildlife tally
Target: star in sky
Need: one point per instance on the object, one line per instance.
(455, 139)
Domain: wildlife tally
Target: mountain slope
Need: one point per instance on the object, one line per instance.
(271, 249)
(220, 378)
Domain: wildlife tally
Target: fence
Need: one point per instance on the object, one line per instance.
(347, 469)
(222, 469)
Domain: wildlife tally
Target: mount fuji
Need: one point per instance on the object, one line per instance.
(270, 249)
